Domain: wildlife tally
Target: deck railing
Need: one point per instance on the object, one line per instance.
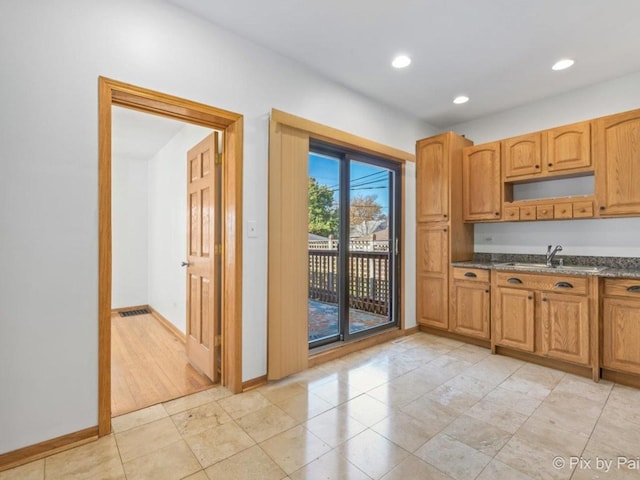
(368, 279)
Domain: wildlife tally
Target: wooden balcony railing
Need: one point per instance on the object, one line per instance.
(368, 283)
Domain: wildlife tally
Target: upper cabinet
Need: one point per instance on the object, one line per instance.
(522, 156)
(616, 145)
(568, 147)
(563, 150)
(432, 179)
(481, 182)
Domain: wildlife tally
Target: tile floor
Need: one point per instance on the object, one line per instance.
(419, 408)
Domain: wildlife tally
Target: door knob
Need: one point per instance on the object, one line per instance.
(185, 264)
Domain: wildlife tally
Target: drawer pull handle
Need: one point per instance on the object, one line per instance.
(563, 285)
(514, 280)
(470, 275)
(634, 288)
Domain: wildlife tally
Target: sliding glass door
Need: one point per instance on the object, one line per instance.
(354, 220)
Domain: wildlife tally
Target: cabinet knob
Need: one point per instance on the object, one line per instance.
(537, 166)
(544, 299)
(602, 207)
(445, 215)
(549, 164)
(497, 214)
(486, 291)
(444, 229)
(530, 297)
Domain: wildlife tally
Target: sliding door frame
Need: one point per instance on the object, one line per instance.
(289, 138)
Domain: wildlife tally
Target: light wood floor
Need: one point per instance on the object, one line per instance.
(148, 365)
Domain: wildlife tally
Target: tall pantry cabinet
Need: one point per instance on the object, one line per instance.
(441, 234)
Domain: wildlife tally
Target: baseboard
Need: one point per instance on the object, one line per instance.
(28, 454)
(412, 330)
(545, 362)
(628, 379)
(254, 383)
(167, 324)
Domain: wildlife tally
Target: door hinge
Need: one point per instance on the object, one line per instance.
(217, 340)
(219, 159)
(217, 249)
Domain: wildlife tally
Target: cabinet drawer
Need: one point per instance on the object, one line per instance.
(528, 213)
(563, 210)
(471, 274)
(582, 209)
(550, 283)
(511, 213)
(622, 287)
(544, 212)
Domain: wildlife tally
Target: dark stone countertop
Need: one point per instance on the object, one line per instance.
(616, 267)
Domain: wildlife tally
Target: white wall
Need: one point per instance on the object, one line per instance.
(129, 231)
(51, 54)
(611, 237)
(167, 220)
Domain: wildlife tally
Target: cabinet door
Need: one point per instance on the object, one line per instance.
(569, 147)
(481, 182)
(514, 318)
(433, 302)
(522, 156)
(565, 327)
(617, 148)
(432, 179)
(621, 334)
(470, 309)
(432, 245)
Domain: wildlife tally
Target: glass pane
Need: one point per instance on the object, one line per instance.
(370, 267)
(324, 224)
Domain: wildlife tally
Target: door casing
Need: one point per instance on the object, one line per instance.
(112, 92)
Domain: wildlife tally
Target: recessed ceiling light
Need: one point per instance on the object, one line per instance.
(460, 99)
(401, 61)
(562, 64)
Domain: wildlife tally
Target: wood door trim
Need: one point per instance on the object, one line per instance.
(112, 92)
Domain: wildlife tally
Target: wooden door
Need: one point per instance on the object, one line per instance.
(568, 147)
(514, 318)
(481, 182)
(470, 309)
(617, 148)
(522, 156)
(203, 256)
(565, 327)
(432, 179)
(621, 334)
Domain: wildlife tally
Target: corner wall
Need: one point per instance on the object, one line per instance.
(167, 232)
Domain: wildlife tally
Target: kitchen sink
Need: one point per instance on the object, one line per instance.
(555, 268)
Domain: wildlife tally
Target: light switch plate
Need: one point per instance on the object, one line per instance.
(252, 229)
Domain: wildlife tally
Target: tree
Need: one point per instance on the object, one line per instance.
(323, 215)
(364, 208)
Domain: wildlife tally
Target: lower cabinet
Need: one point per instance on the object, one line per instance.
(621, 325)
(514, 318)
(564, 323)
(548, 315)
(432, 294)
(470, 303)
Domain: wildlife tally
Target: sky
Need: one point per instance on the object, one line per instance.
(365, 179)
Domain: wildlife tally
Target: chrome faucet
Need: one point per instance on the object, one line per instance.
(552, 253)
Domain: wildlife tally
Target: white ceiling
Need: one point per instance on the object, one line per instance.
(140, 135)
(498, 52)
